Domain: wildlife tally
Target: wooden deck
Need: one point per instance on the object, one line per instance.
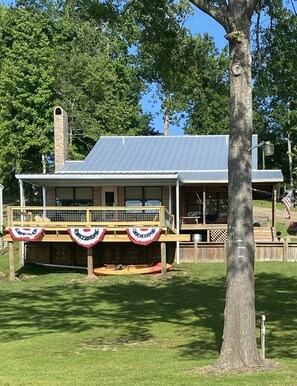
(56, 221)
(217, 233)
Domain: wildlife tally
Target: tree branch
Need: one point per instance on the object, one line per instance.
(219, 13)
(251, 5)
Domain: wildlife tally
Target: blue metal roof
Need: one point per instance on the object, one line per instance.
(193, 158)
(156, 153)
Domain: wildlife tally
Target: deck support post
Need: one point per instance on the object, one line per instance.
(163, 258)
(90, 263)
(11, 260)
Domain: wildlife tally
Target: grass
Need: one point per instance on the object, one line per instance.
(57, 329)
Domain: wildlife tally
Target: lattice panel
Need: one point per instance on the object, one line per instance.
(218, 235)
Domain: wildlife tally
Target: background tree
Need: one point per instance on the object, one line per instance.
(275, 85)
(239, 349)
(185, 72)
(51, 54)
(26, 98)
(97, 80)
(203, 94)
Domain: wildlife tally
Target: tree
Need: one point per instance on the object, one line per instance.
(26, 96)
(239, 349)
(185, 72)
(203, 89)
(97, 81)
(275, 85)
(161, 48)
(51, 54)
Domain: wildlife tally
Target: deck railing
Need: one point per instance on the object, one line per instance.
(51, 217)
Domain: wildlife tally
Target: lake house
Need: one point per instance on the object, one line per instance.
(176, 184)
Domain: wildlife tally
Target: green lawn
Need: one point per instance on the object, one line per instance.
(56, 329)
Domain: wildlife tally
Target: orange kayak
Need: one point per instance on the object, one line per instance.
(120, 269)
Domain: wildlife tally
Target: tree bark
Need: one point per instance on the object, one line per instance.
(239, 347)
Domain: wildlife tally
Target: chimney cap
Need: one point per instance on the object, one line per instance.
(59, 110)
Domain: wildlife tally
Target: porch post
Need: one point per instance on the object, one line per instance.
(22, 243)
(204, 206)
(273, 206)
(43, 196)
(163, 258)
(11, 261)
(177, 218)
(22, 198)
(170, 199)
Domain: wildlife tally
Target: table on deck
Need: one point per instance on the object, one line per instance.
(195, 219)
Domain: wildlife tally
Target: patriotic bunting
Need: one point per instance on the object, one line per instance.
(25, 234)
(143, 236)
(86, 237)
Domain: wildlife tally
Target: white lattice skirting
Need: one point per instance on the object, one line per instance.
(218, 235)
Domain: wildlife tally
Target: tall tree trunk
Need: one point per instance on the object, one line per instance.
(239, 347)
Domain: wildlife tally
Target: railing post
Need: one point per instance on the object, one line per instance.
(11, 261)
(162, 216)
(285, 250)
(9, 216)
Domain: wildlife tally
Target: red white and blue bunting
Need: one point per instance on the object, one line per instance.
(87, 237)
(143, 236)
(25, 234)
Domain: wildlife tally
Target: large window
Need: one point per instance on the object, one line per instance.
(216, 205)
(74, 196)
(143, 196)
(194, 204)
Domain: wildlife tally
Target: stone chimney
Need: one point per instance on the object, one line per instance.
(61, 137)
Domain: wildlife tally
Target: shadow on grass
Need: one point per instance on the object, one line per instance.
(276, 297)
(117, 306)
(130, 308)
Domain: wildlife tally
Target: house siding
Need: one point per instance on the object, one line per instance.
(50, 197)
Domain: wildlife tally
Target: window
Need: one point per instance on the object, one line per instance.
(194, 204)
(143, 196)
(74, 196)
(216, 205)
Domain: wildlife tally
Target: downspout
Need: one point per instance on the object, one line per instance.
(177, 218)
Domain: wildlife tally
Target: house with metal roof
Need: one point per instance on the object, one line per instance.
(134, 181)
